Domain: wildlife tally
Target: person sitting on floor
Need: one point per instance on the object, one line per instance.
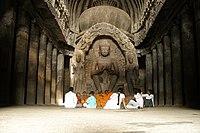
(132, 104)
(98, 97)
(105, 97)
(91, 101)
(70, 99)
(115, 100)
(149, 99)
(84, 97)
(136, 102)
(79, 104)
(139, 99)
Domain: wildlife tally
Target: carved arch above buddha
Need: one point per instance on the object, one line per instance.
(106, 29)
(121, 47)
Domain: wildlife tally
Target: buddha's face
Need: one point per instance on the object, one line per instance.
(105, 50)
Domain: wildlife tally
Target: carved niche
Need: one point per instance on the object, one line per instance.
(120, 48)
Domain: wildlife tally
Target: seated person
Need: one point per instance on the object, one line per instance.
(136, 101)
(132, 104)
(139, 99)
(79, 104)
(70, 99)
(105, 97)
(148, 101)
(91, 101)
(84, 97)
(115, 100)
(98, 97)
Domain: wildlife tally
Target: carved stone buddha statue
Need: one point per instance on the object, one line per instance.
(105, 69)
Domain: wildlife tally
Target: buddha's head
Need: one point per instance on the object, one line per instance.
(104, 48)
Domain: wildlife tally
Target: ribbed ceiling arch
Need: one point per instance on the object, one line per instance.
(135, 8)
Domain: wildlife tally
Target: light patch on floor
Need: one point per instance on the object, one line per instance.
(56, 119)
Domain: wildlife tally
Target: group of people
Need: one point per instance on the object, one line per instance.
(108, 100)
(140, 100)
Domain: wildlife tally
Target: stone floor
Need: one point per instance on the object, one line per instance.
(54, 119)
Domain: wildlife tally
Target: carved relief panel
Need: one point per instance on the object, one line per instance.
(106, 54)
(107, 71)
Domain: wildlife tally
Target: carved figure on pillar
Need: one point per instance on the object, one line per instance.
(105, 71)
(78, 72)
(131, 72)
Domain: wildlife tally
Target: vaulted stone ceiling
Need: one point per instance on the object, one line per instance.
(141, 12)
(137, 9)
(149, 18)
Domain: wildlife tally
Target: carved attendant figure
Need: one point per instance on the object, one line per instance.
(105, 68)
(131, 72)
(78, 71)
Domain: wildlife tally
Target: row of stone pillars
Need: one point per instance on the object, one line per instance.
(39, 67)
(172, 67)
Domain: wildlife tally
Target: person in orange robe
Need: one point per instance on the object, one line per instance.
(105, 97)
(84, 97)
(98, 97)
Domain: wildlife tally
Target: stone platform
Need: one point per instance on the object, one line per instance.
(54, 119)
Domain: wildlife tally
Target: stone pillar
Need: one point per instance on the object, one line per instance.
(7, 30)
(32, 64)
(54, 76)
(41, 68)
(20, 65)
(167, 70)
(188, 53)
(148, 72)
(160, 74)
(67, 74)
(48, 73)
(60, 77)
(176, 66)
(197, 18)
(155, 75)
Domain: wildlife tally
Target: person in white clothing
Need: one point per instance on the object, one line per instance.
(149, 99)
(70, 99)
(139, 99)
(136, 101)
(115, 100)
(133, 104)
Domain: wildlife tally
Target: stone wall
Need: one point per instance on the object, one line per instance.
(172, 67)
(7, 29)
(33, 66)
